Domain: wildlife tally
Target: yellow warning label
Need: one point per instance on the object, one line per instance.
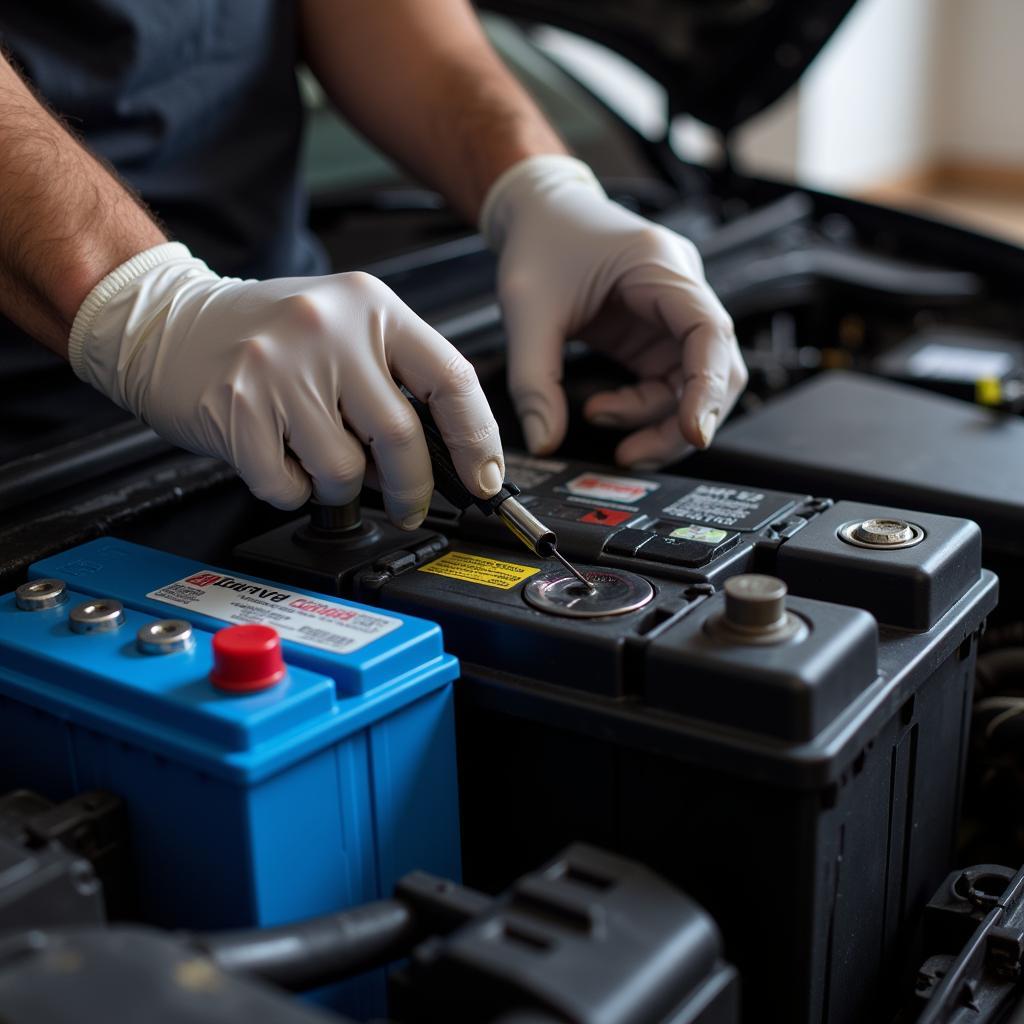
(488, 572)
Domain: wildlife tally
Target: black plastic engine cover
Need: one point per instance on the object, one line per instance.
(860, 437)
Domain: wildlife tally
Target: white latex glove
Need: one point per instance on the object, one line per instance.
(574, 264)
(286, 379)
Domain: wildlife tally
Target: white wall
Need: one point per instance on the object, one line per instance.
(866, 104)
(908, 84)
(902, 84)
(980, 82)
(770, 142)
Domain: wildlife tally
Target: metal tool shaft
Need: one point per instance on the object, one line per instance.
(572, 568)
(535, 535)
(527, 527)
(524, 524)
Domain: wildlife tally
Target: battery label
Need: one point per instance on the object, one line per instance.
(488, 572)
(733, 507)
(313, 621)
(624, 489)
(529, 472)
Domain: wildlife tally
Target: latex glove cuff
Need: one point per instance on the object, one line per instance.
(153, 275)
(527, 179)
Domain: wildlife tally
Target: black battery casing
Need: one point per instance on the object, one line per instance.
(807, 793)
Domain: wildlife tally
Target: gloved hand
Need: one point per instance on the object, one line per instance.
(574, 264)
(286, 379)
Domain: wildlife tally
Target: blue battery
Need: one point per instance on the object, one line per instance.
(312, 795)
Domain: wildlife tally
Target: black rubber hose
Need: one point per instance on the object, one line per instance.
(325, 949)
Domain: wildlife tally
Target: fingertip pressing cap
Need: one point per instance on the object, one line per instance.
(247, 659)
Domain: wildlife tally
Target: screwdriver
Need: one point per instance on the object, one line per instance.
(540, 539)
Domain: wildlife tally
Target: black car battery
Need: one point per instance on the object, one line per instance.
(794, 761)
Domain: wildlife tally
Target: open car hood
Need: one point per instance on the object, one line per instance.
(720, 60)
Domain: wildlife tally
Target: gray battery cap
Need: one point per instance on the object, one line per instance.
(37, 595)
(103, 615)
(165, 636)
(755, 612)
(754, 601)
(881, 532)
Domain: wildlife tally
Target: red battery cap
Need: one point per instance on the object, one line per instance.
(246, 659)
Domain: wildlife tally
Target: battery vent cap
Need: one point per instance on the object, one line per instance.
(247, 659)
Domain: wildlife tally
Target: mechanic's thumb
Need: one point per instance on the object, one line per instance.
(535, 379)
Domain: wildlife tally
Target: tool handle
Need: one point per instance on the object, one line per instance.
(446, 479)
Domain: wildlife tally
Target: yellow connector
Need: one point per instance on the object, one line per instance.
(988, 391)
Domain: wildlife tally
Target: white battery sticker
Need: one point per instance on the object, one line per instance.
(714, 505)
(313, 621)
(959, 363)
(623, 489)
(526, 471)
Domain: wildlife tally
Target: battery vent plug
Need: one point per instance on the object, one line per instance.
(246, 659)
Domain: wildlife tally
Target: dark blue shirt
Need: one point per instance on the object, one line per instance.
(195, 103)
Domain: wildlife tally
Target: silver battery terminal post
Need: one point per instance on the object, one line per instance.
(38, 595)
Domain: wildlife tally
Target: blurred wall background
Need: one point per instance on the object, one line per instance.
(919, 103)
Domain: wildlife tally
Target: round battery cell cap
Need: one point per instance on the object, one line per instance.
(104, 615)
(882, 533)
(755, 613)
(165, 636)
(37, 595)
(753, 601)
(246, 659)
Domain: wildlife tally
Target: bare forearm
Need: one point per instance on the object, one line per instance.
(65, 221)
(421, 80)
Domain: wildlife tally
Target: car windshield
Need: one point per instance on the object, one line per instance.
(339, 161)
